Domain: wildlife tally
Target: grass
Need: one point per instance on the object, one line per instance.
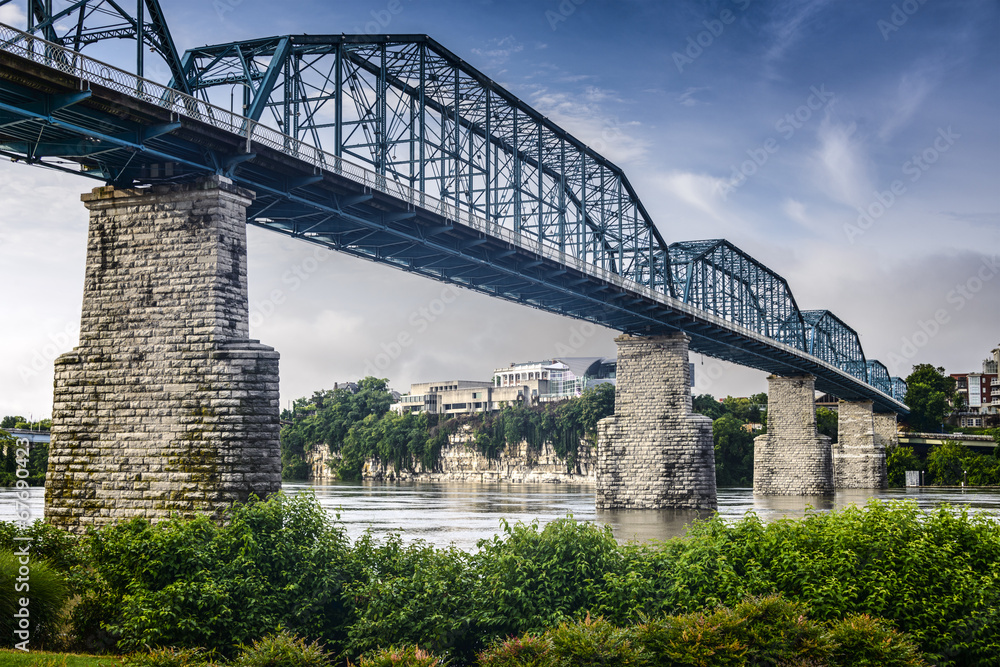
(14, 658)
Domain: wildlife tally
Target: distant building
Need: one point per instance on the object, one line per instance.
(524, 383)
(981, 394)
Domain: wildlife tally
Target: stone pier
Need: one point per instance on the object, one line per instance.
(654, 453)
(166, 406)
(792, 459)
(859, 455)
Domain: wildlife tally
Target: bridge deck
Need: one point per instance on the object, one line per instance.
(58, 108)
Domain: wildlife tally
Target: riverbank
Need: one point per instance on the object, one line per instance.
(460, 462)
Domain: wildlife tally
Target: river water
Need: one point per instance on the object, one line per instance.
(462, 514)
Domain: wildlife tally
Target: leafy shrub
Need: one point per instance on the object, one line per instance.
(897, 461)
(592, 642)
(526, 651)
(190, 583)
(168, 657)
(410, 656)
(944, 463)
(412, 594)
(282, 649)
(864, 641)
(533, 579)
(46, 594)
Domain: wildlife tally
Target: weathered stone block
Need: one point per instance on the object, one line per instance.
(137, 400)
(654, 453)
(858, 456)
(792, 459)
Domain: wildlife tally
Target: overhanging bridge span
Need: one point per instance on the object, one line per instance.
(429, 167)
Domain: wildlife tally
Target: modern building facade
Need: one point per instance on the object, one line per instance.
(980, 393)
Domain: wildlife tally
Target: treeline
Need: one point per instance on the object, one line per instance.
(949, 464)
(33, 458)
(358, 426)
(801, 591)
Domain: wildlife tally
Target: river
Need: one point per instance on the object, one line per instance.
(462, 514)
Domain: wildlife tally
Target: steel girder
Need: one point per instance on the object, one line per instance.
(878, 377)
(409, 109)
(899, 388)
(828, 338)
(718, 277)
(79, 23)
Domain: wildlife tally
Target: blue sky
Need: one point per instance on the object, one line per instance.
(853, 147)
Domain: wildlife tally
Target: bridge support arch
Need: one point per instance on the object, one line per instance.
(859, 455)
(792, 459)
(166, 406)
(654, 453)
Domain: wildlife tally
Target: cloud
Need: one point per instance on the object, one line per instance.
(911, 91)
(499, 51)
(843, 163)
(700, 191)
(687, 98)
(13, 15)
(788, 25)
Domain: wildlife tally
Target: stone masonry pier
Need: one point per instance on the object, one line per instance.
(654, 453)
(166, 406)
(859, 455)
(792, 459)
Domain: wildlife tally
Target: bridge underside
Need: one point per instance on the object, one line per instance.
(54, 118)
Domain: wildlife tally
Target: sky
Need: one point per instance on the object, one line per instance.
(853, 147)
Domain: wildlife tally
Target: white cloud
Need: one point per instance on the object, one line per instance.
(701, 191)
(14, 16)
(788, 25)
(842, 162)
(912, 90)
(688, 99)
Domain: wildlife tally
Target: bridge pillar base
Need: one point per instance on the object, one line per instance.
(654, 453)
(886, 434)
(792, 459)
(858, 456)
(166, 406)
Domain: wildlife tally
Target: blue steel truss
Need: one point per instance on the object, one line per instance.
(721, 279)
(434, 169)
(409, 109)
(828, 338)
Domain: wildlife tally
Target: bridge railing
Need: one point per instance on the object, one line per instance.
(99, 73)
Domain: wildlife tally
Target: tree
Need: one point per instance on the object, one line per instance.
(826, 423)
(897, 461)
(733, 452)
(707, 405)
(11, 421)
(946, 462)
(928, 395)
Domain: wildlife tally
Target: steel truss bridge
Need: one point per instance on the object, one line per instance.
(393, 149)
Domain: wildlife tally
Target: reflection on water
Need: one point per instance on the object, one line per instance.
(463, 514)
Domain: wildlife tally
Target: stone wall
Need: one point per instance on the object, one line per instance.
(165, 406)
(654, 453)
(858, 456)
(792, 458)
(460, 462)
(886, 432)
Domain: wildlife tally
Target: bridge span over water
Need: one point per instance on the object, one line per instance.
(394, 149)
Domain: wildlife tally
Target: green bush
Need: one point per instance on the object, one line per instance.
(531, 579)
(410, 656)
(864, 641)
(526, 651)
(944, 463)
(42, 587)
(190, 583)
(592, 642)
(168, 657)
(282, 649)
(412, 594)
(897, 461)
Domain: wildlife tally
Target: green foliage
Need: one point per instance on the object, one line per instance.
(952, 463)
(526, 651)
(34, 580)
(282, 649)
(928, 394)
(826, 423)
(863, 641)
(12, 457)
(409, 656)
(412, 594)
(168, 657)
(897, 461)
(706, 404)
(190, 583)
(733, 452)
(531, 579)
(11, 421)
(592, 642)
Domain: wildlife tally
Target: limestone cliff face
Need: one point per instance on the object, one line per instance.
(461, 463)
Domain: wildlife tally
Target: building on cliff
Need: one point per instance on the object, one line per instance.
(524, 383)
